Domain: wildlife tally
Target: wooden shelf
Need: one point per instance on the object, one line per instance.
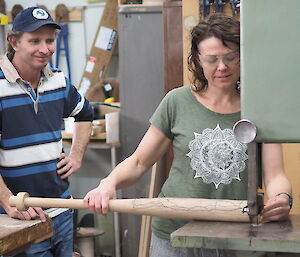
(98, 141)
(122, 3)
(75, 14)
(98, 137)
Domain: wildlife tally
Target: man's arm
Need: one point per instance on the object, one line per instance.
(5, 193)
(31, 213)
(81, 136)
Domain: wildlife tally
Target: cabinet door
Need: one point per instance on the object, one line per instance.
(141, 90)
(141, 70)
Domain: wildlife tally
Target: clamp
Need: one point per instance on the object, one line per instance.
(220, 4)
(235, 6)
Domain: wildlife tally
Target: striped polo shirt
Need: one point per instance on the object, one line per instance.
(30, 130)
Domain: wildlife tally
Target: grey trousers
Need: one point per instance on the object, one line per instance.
(160, 247)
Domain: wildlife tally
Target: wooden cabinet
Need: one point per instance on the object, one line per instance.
(150, 59)
(173, 58)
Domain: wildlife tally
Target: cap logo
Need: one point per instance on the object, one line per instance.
(40, 14)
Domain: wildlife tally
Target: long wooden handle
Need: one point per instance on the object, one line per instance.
(179, 208)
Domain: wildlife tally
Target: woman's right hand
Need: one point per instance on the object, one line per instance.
(97, 200)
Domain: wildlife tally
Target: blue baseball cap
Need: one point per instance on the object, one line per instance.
(32, 18)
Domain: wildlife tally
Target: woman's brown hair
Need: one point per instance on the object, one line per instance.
(218, 25)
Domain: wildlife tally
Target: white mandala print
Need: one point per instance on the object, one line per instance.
(216, 156)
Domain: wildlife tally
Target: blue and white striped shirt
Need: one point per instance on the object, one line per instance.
(30, 127)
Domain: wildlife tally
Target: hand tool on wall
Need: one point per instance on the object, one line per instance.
(179, 208)
(97, 94)
(220, 4)
(42, 7)
(215, 5)
(2, 7)
(15, 10)
(107, 91)
(62, 18)
(204, 7)
(234, 5)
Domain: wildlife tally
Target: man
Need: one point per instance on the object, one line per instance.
(33, 102)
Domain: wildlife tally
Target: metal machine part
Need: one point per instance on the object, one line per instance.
(245, 131)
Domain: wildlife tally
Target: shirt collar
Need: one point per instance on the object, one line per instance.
(12, 75)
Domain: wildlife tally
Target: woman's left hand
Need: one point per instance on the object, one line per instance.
(277, 208)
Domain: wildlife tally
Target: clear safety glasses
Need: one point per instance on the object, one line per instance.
(214, 60)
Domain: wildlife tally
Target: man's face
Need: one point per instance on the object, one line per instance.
(34, 49)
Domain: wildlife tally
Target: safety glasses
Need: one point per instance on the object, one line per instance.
(231, 58)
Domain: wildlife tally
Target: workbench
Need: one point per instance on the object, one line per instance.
(283, 236)
(17, 235)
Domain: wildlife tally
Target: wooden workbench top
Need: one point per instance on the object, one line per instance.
(281, 236)
(17, 235)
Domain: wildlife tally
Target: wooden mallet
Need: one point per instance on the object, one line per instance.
(178, 208)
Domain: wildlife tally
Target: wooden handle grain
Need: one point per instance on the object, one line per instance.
(184, 208)
(179, 208)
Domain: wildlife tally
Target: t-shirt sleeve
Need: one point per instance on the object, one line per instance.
(162, 117)
(76, 105)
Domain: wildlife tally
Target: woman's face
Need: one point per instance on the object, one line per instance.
(221, 64)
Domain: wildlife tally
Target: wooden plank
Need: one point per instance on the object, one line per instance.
(173, 74)
(158, 177)
(145, 234)
(16, 235)
(75, 14)
(102, 48)
(68, 136)
(190, 17)
(269, 237)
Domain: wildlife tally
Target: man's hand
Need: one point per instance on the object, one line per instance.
(31, 213)
(67, 165)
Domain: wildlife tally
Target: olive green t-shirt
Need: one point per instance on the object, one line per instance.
(208, 161)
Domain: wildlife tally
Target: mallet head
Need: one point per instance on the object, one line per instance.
(19, 201)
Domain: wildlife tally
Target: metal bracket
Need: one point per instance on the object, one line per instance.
(255, 198)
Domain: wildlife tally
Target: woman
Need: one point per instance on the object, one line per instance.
(197, 120)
